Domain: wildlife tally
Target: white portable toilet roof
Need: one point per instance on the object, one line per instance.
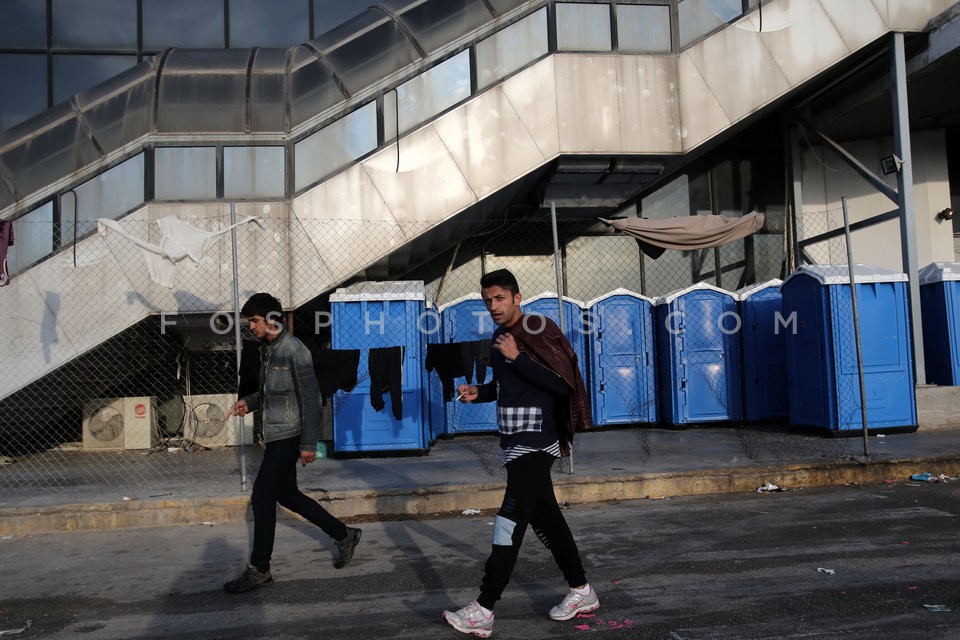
(550, 294)
(839, 274)
(617, 292)
(391, 290)
(670, 297)
(469, 296)
(939, 272)
(748, 291)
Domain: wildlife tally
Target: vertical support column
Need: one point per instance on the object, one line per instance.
(796, 191)
(908, 219)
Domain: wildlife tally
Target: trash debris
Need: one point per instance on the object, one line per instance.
(565, 505)
(471, 512)
(888, 482)
(904, 542)
(769, 486)
(127, 498)
(922, 477)
(827, 571)
(660, 497)
(208, 523)
(13, 632)
(913, 587)
(5, 460)
(936, 607)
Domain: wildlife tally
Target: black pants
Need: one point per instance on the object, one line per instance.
(529, 499)
(277, 483)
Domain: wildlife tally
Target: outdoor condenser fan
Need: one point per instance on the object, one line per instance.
(106, 425)
(208, 421)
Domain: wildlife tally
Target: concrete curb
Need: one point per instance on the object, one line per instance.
(427, 501)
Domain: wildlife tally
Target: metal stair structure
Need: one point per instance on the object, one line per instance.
(411, 194)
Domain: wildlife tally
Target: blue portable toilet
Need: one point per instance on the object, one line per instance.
(940, 306)
(466, 320)
(370, 315)
(698, 355)
(763, 347)
(822, 372)
(545, 304)
(623, 384)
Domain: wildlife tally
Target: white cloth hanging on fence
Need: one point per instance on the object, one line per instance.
(178, 240)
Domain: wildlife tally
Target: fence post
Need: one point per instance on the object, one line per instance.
(856, 326)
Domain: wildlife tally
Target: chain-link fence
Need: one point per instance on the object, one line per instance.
(126, 364)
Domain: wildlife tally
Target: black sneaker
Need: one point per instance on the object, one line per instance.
(346, 547)
(249, 580)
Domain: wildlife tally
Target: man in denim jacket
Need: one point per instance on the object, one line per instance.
(289, 402)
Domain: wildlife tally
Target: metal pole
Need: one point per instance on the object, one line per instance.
(908, 218)
(856, 325)
(556, 265)
(236, 337)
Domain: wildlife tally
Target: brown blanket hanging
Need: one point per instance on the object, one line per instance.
(687, 232)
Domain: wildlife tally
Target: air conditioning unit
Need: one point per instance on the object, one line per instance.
(114, 424)
(206, 424)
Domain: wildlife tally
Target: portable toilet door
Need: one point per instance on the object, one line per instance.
(822, 371)
(622, 371)
(467, 320)
(764, 353)
(698, 351)
(373, 315)
(545, 304)
(940, 306)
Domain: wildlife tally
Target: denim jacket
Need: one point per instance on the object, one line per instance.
(289, 396)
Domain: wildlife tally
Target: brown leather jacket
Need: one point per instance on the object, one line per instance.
(543, 341)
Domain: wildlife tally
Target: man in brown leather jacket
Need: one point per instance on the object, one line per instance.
(541, 401)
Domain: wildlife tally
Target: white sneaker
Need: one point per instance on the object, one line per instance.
(574, 604)
(470, 619)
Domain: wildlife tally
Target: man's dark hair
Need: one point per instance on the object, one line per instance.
(263, 304)
(500, 278)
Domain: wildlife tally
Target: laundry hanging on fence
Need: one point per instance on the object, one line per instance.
(385, 365)
(6, 241)
(335, 369)
(686, 232)
(458, 360)
(178, 240)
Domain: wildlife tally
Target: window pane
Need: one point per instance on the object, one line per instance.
(280, 23)
(583, 27)
(24, 24)
(253, 172)
(23, 87)
(644, 29)
(111, 194)
(33, 234)
(186, 173)
(433, 91)
(95, 24)
(336, 146)
(75, 73)
(510, 49)
(699, 17)
(182, 23)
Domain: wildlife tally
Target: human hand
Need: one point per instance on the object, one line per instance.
(307, 456)
(238, 409)
(507, 345)
(468, 393)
